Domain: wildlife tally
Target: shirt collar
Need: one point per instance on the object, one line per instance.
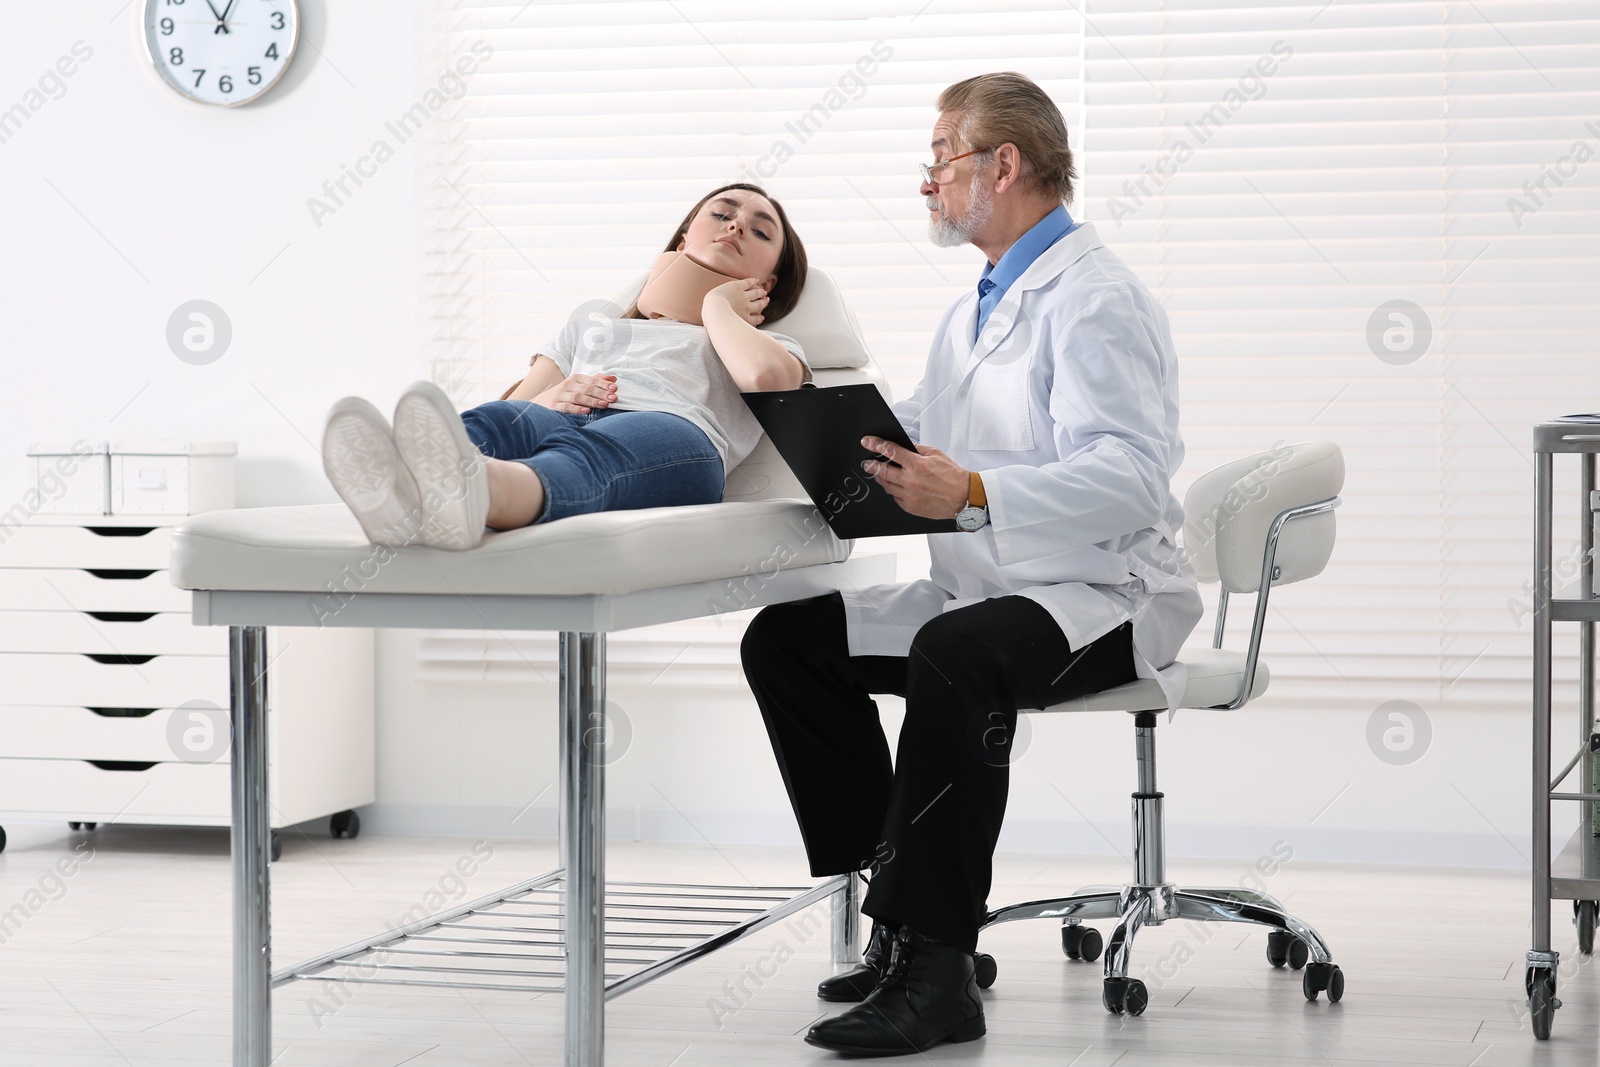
(1027, 248)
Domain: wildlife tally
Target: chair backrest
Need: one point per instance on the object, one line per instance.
(831, 337)
(1229, 513)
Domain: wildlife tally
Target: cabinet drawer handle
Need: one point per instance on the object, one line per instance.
(121, 616)
(119, 574)
(123, 713)
(119, 658)
(123, 764)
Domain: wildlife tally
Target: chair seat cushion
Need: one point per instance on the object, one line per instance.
(1215, 677)
(320, 547)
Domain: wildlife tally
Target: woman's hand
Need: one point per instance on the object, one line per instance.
(577, 393)
(746, 296)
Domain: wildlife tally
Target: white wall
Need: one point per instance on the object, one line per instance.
(123, 201)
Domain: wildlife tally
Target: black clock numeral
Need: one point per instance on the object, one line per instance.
(272, 50)
(199, 72)
(225, 83)
(278, 25)
(175, 57)
(166, 27)
(255, 75)
(174, 3)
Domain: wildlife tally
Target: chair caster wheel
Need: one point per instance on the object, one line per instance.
(2, 839)
(346, 824)
(1125, 995)
(1321, 977)
(1285, 948)
(91, 826)
(1585, 918)
(275, 850)
(986, 969)
(74, 826)
(1082, 943)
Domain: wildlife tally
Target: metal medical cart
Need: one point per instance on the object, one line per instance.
(1575, 874)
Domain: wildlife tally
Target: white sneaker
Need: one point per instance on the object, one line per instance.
(452, 476)
(360, 459)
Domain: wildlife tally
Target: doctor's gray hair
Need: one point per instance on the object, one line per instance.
(1009, 107)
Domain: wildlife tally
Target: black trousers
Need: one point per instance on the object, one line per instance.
(925, 826)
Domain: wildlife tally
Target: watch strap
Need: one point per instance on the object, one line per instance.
(975, 494)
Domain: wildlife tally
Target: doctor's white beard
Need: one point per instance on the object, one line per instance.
(947, 232)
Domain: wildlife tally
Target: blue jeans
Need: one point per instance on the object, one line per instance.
(601, 461)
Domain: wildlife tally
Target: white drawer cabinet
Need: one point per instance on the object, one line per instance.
(113, 705)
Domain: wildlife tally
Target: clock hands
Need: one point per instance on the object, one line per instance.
(222, 17)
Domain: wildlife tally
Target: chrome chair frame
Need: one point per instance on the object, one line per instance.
(1150, 900)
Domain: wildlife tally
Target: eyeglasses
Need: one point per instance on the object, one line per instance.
(928, 168)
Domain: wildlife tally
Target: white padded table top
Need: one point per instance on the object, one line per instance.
(312, 548)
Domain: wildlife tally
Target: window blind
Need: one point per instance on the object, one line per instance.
(1330, 201)
(1370, 222)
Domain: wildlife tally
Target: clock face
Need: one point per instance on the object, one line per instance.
(224, 52)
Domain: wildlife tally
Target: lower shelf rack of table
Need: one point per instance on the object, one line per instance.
(512, 940)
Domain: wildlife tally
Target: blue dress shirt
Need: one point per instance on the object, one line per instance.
(997, 277)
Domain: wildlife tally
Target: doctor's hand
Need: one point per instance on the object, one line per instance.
(927, 483)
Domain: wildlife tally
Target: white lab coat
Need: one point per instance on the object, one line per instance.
(1068, 408)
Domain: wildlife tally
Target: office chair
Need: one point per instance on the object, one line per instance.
(1258, 522)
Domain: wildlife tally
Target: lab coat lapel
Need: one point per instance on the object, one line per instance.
(1004, 320)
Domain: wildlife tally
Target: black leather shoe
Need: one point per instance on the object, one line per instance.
(853, 985)
(928, 994)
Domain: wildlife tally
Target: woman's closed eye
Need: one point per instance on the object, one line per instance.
(758, 233)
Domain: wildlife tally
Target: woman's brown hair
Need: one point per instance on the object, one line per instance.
(791, 268)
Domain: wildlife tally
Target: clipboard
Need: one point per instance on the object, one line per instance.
(818, 432)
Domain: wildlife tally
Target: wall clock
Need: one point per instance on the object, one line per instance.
(222, 52)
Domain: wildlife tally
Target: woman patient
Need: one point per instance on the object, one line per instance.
(645, 414)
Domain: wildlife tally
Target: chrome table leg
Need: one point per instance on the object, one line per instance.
(583, 843)
(252, 932)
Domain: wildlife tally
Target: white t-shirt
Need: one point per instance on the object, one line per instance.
(666, 365)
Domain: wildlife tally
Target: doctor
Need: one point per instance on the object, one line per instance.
(1046, 423)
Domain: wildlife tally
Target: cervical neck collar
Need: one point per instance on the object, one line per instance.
(677, 288)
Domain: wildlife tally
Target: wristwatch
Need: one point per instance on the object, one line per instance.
(975, 516)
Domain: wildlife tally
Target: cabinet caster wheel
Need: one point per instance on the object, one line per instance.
(986, 969)
(346, 824)
(1124, 996)
(1082, 943)
(1585, 919)
(1320, 977)
(74, 826)
(1283, 948)
(1542, 1002)
(275, 849)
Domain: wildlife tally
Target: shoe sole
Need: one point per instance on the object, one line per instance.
(967, 1030)
(361, 461)
(452, 482)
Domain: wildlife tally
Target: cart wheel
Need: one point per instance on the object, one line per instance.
(1542, 1002)
(1586, 920)
(345, 824)
(74, 826)
(1320, 977)
(1124, 995)
(276, 848)
(986, 969)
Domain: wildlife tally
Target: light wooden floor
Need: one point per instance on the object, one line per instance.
(126, 962)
